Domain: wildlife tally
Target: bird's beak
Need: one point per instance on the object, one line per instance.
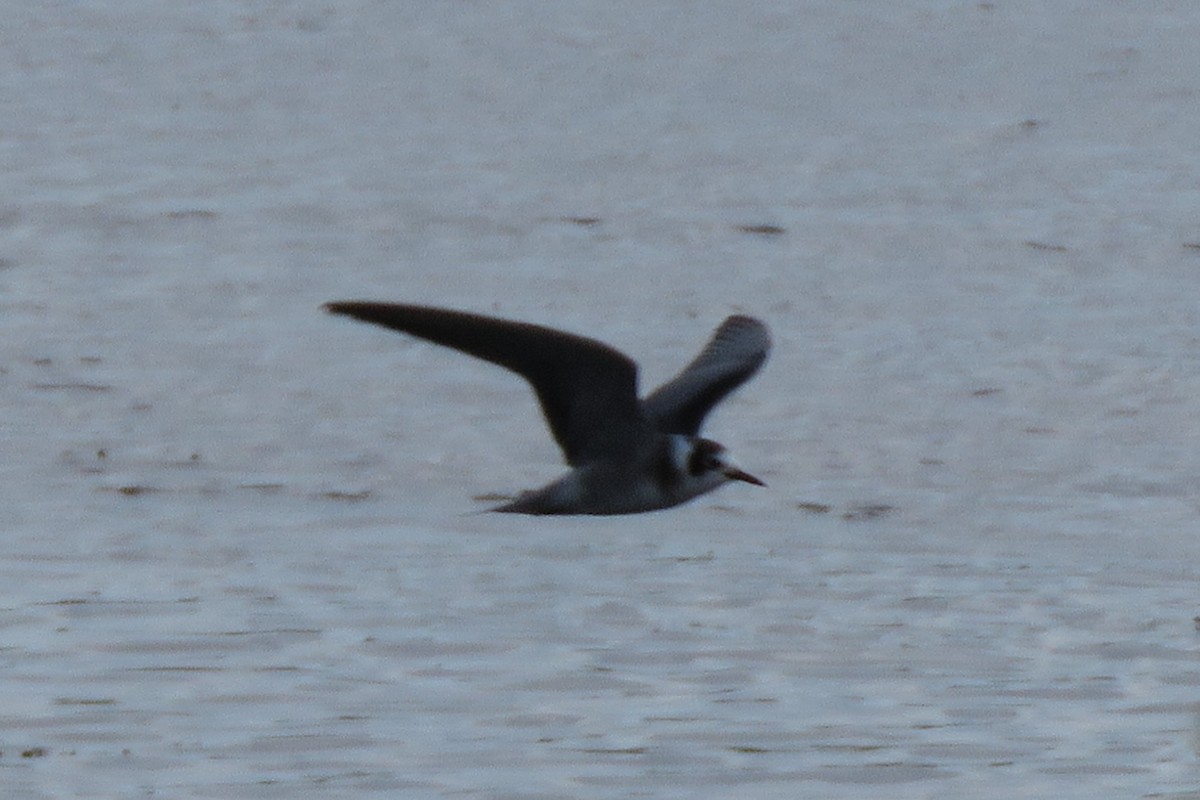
(735, 474)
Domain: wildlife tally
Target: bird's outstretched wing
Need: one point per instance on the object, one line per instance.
(735, 352)
(587, 390)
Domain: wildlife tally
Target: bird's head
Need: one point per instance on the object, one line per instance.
(708, 461)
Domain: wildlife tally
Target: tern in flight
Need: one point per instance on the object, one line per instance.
(626, 455)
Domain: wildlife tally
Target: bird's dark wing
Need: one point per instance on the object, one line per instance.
(735, 352)
(588, 390)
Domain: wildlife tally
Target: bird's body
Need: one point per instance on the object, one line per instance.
(657, 478)
(627, 455)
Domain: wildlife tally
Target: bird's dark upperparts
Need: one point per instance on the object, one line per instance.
(626, 454)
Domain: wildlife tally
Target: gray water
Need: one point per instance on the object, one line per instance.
(240, 554)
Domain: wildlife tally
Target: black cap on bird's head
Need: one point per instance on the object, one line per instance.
(708, 456)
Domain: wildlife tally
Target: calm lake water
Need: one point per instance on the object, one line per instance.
(240, 555)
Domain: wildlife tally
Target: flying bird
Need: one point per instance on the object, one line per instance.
(626, 455)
